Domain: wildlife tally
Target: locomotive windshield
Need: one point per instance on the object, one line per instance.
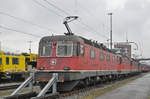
(64, 48)
(46, 49)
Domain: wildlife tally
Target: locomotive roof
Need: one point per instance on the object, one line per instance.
(75, 38)
(62, 37)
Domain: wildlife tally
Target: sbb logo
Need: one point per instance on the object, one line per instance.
(53, 62)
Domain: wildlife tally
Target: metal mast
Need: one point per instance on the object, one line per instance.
(110, 29)
(30, 46)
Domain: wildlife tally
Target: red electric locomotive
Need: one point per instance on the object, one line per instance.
(144, 68)
(78, 60)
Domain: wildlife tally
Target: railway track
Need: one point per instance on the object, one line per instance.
(52, 96)
(79, 92)
(5, 81)
(9, 86)
(6, 84)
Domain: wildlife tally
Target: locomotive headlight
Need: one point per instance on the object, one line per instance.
(41, 68)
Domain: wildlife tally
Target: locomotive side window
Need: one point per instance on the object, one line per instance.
(43, 53)
(64, 48)
(46, 49)
(92, 54)
(113, 59)
(108, 58)
(82, 50)
(119, 60)
(0, 61)
(101, 56)
(131, 63)
(76, 49)
(7, 60)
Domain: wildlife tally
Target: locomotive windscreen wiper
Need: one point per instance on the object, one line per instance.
(66, 21)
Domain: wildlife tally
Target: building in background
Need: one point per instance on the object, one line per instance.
(125, 48)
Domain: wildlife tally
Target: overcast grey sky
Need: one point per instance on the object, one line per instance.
(130, 17)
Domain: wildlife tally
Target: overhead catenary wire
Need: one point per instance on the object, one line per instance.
(91, 28)
(63, 8)
(80, 21)
(25, 21)
(76, 6)
(86, 34)
(18, 31)
(88, 12)
(49, 10)
(63, 11)
(53, 5)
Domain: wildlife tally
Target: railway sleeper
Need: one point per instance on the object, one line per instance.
(21, 96)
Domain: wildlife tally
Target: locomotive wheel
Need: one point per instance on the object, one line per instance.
(86, 82)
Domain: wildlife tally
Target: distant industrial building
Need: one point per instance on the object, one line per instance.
(125, 48)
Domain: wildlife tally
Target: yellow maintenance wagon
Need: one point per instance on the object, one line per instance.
(15, 66)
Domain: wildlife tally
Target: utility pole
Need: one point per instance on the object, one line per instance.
(30, 46)
(126, 37)
(110, 14)
(0, 46)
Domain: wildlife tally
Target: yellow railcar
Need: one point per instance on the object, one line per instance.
(16, 65)
(31, 59)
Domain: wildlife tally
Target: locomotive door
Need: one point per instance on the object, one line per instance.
(119, 60)
(83, 59)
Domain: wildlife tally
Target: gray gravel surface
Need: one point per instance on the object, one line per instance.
(138, 89)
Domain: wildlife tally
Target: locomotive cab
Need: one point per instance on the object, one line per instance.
(59, 53)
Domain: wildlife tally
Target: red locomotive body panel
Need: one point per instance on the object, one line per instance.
(55, 63)
(79, 62)
(92, 59)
